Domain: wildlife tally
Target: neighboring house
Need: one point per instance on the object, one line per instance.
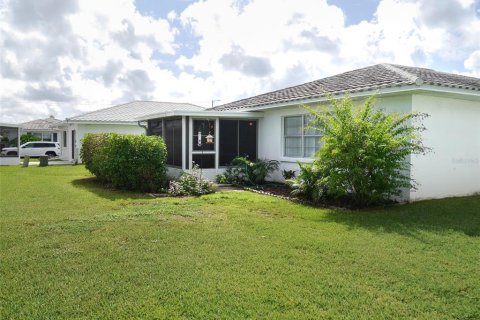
(44, 129)
(9, 137)
(119, 119)
(272, 126)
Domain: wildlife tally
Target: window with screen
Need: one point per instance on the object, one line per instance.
(300, 141)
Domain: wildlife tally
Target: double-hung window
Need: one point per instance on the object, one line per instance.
(300, 141)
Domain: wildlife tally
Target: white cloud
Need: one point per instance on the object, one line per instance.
(472, 63)
(68, 57)
(77, 54)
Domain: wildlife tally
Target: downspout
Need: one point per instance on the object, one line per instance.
(139, 123)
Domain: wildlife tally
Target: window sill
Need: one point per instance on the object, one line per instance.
(295, 160)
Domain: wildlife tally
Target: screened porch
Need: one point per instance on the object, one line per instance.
(206, 139)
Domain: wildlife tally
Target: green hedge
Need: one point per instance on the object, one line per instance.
(131, 162)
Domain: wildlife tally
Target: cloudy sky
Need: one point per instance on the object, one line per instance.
(62, 58)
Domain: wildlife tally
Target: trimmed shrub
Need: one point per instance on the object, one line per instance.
(191, 184)
(93, 154)
(130, 162)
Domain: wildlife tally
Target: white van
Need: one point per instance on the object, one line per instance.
(34, 149)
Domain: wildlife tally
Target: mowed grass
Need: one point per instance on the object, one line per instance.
(73, 250)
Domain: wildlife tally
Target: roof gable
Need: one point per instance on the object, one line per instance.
(129, 112)
(41, 124)
(370, 78)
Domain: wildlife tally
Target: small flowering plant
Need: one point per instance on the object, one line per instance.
(191, 184)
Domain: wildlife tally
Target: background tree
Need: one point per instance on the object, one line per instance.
(28, 137)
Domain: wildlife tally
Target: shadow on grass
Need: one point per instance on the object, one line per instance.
(104, 191)
(439, 216)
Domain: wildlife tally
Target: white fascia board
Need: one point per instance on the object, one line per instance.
(205, 114)
(451, 92)
(41, 130)
(389, 91)
(129, 123)
(10, 125)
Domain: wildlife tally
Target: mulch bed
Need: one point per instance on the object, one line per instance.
(282, 191)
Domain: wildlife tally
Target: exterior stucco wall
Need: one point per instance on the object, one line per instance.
(83, 129)
(453, 132)
(270, 130)
(210, 174)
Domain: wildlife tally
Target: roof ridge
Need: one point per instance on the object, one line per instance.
(164, 102)
(42, 119)
(410, 76)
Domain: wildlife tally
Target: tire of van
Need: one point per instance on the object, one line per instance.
(12, 153)
(50, 154)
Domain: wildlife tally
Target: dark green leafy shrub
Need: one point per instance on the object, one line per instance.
(191, 184)
(308, 183)
(245, 172)
(288, 174)
(365, 152)
(28, 137)
(131, 162)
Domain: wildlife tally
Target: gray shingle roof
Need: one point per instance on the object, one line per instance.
(370, 78)
(41, 124)
(129, 112)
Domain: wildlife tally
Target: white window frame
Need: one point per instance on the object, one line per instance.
(302, 138)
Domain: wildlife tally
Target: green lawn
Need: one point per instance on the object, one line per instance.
(69, 249)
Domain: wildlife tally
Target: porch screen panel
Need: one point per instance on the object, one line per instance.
(238, 138)
(247, 140)
(204, 161)
(173, 140)
(228, 143)
(155, 128)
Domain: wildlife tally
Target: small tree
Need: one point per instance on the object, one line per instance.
(28, 137)
(365, 152)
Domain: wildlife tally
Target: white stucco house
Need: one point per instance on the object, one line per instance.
(272, 126)
(119, 119)
(44, 129)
